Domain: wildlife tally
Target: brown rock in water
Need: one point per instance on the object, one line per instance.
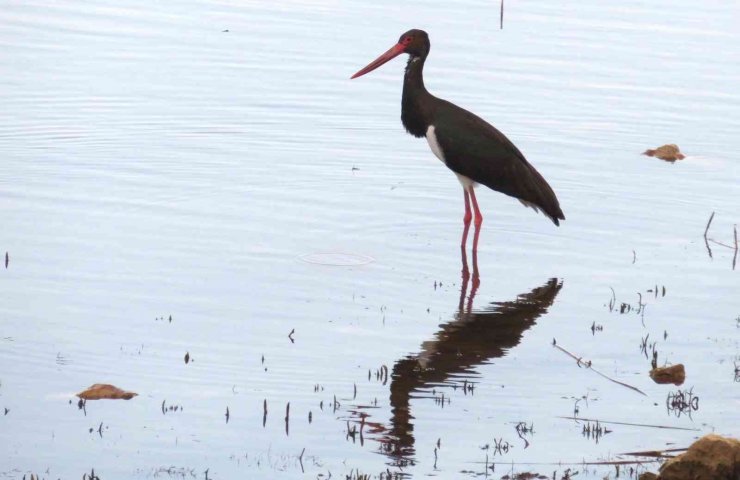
(674, 374)
(712, 457)
(103, 391)
(669, 153)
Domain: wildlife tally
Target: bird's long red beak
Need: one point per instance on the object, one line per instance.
(392, 53)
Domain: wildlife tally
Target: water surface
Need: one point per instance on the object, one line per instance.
(182, 159)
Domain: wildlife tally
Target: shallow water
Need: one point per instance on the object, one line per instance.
(200, 161)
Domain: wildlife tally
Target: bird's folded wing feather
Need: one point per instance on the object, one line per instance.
(476, 149)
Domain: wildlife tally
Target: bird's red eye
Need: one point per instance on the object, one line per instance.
(407, 39)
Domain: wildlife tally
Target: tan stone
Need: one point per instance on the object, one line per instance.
(675, 374)
(101, 391)
(712, 457)
(648, 476)
(669, 152)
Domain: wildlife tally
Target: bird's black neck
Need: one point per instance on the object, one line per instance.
(414, 111)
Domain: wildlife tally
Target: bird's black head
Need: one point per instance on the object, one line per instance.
(414, 42)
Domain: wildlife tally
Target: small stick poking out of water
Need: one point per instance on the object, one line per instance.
(709, 222)
(7, 259)
(501, 19)
(287, 418)
(734, 259)
(706, 240)
(336, 404)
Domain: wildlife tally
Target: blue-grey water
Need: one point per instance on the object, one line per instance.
(200, 160)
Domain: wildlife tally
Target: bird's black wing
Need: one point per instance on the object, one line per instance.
(476, 149)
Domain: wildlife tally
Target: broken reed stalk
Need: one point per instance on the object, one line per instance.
(613, 301)
(631, 424)
(734, 258)
(589, 366)
(721, 244)
(287, 419)
(706, 230)
(581, 462)
(621, 462)
(655, 453)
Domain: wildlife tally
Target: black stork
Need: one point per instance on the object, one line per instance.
(471, 147)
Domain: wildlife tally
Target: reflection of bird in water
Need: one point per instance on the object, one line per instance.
(470, 339)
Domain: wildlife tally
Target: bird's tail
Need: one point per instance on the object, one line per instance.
(542, 198)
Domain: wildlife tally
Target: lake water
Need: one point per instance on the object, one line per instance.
(175, 175)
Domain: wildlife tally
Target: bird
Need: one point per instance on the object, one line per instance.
(472, 148)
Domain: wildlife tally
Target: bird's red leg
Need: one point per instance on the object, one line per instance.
(464, 240)
(466, 222)
(468, 214)
(465, 271)
(476, 274)
(466, 277)
(475, 247)
(478, 215)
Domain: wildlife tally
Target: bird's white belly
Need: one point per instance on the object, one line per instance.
(434, 144)
(437, 150)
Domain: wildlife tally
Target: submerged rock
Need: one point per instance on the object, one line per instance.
(712, 457)
(675, 374)
(669, 153)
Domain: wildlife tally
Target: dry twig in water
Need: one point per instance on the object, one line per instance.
(300, 459)
(706, 240)
(587, 364)
(734, 259)
(631, 424)
(655, 453)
